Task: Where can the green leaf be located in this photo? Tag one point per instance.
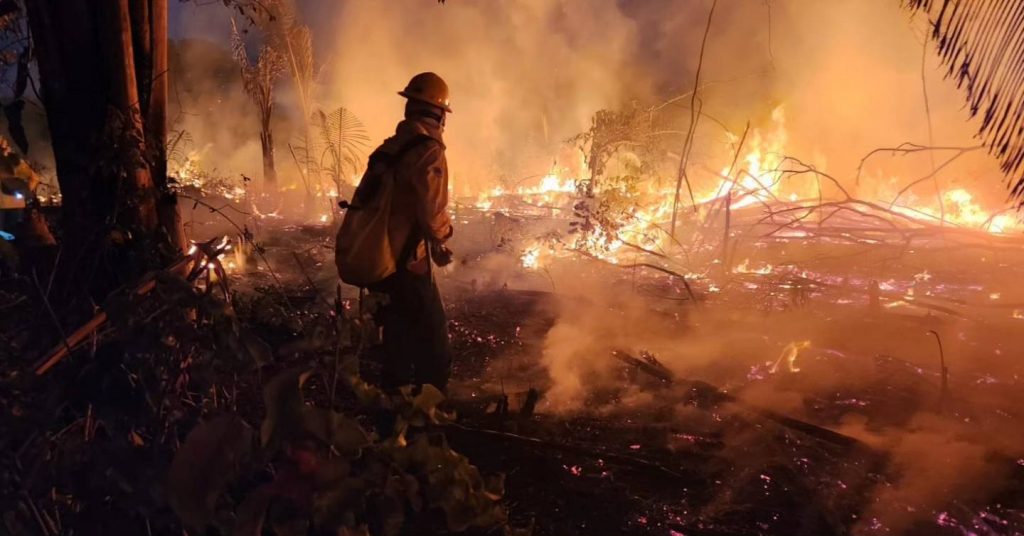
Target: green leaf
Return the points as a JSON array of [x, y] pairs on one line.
[[204, 465], [426, 403], [428, 399], [368, 395], [454, 485], [282, 397], [335, 429], [494, 486]]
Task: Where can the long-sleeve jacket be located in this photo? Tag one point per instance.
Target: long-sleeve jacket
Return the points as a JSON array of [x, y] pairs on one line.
[[420, 205]]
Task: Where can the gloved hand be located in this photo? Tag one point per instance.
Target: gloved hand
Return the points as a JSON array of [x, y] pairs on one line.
[[441, 254]]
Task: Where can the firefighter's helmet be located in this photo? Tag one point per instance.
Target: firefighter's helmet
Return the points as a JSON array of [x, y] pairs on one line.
[[428, 88]]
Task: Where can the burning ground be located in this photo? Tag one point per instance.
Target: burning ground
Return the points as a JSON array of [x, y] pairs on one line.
[[840, 324], [837, 366], [787, 364]]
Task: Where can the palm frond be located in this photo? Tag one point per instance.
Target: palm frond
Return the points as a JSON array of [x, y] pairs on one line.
[[258, 80], [981, 43], [238, 46], [294, 40], [343, 140]]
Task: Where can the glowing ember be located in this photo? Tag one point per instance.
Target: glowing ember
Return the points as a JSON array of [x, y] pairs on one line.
[[745, 268], [531, 257]]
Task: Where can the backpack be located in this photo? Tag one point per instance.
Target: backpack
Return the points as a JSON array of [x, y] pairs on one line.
[[363, 250]]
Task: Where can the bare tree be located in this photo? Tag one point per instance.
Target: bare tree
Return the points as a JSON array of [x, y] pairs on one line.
[[258, 80]]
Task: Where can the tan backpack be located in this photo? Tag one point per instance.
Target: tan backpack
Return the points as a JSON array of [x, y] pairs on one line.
[[363, 251]]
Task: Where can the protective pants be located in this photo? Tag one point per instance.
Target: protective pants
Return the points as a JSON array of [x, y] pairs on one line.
[[416, 349]]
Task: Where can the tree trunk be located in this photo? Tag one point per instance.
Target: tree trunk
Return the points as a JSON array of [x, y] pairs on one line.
[[269, 171], [156, 127], [136, 196], [90, 72]]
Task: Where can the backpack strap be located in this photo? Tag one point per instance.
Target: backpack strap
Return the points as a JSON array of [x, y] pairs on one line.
[[367, 191], [415, 142]]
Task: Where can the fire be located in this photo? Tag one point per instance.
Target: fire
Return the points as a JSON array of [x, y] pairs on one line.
[[551, 189], [642, 210], [761, 178], [789, 355], [530, 258], [961, 209], [744, 267], [189, 172], [233, 255]]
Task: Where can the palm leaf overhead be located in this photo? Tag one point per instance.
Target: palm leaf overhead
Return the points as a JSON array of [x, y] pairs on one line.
[[982, 44]]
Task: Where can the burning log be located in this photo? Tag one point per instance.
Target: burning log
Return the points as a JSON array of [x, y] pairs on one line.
[[711, 395]]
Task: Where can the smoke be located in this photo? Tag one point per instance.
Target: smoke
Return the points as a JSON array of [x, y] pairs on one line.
[[209, 108], [940, 453], [851, 76], [525, 77], [932, 460]]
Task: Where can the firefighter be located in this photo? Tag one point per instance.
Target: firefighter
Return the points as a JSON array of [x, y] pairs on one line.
[[415, 332]]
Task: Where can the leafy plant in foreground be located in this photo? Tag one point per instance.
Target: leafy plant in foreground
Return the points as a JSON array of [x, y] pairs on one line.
[[317, 471]]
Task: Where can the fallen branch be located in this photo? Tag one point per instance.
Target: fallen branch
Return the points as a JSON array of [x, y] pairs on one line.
[[247, 236], [650, 368], [907, 148], [655, 267], [712, 394], [148, 283], [574, 449]]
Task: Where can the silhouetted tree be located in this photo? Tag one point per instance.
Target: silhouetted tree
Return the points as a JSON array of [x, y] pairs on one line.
[[103, 77]]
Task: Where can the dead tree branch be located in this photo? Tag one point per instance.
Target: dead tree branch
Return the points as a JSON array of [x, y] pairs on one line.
[[688, 142]]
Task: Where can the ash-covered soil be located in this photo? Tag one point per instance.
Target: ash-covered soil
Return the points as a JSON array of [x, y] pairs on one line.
[[689, 418]]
